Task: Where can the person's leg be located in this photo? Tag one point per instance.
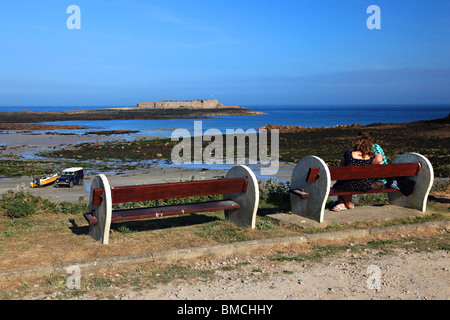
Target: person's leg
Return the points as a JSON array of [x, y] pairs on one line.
[[348, 201], [340, 205]]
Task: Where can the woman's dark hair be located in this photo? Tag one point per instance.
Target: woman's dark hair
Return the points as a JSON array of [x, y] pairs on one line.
[[367, 134], [363, 143]]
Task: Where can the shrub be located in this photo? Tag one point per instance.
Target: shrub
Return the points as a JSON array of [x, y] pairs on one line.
[[124, 230], [276, 194], [265, 225], [20, 208]]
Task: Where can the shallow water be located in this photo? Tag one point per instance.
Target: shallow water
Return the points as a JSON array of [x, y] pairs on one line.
[[305, 116]]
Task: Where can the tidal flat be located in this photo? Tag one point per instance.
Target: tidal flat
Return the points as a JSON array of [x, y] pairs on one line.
[[430, 138]]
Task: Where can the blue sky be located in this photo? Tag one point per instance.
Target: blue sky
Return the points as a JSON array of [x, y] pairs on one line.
[[242, 52]]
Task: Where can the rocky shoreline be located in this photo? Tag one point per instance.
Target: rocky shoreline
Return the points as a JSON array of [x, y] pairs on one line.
[[127, 113], [291, 129], [15, 126]]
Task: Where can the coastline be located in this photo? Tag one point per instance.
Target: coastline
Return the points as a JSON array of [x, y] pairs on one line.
[[15, 126], [125, 113]]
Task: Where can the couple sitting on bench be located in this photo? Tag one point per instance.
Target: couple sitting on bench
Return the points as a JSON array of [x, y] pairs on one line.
[[409, 176], [365, 152]]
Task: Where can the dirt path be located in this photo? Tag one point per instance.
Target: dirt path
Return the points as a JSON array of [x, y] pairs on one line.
[[405, 275]]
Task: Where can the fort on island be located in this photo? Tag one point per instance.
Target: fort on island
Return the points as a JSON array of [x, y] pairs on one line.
[[188, 104]]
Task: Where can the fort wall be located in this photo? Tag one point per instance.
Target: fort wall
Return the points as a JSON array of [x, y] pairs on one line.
[[188, 104]]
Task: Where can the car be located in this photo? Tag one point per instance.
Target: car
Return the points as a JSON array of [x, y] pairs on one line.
[[70, 177]]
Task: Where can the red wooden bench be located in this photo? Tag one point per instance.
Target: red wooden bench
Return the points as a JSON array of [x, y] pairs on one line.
[[371, 172], [311, 182], [239, 189]]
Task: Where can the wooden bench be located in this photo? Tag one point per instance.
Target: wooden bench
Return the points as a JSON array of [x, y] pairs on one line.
[[311, 183], [239, 189]]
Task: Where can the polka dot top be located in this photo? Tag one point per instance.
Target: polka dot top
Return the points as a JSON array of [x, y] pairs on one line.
[[354, 185]]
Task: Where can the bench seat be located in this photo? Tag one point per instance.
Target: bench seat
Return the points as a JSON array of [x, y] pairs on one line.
[[336, 192], [164, 211]]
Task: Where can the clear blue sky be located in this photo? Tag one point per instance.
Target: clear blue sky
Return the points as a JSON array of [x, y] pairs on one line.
[[244, 52]]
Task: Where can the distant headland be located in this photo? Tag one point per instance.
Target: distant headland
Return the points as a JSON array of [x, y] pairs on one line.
[[156, 110]]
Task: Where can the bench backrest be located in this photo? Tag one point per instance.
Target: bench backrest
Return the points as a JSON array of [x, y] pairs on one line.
[[173, 190], [368, 172]]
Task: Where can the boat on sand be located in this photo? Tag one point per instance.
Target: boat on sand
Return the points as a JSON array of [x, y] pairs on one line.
[[44, 180]]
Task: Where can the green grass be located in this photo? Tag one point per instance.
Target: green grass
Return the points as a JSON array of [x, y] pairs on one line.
[[223, 232], [23, 200]]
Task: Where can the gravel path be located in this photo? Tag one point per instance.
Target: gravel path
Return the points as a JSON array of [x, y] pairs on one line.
[[405, 276], [400, 275]]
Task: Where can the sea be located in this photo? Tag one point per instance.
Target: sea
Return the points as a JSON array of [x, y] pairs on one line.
[[289, 115]]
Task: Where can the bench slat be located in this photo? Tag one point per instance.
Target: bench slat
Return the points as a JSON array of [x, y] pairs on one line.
[[369, 171], [154, 212], [173, 190], [335, 192], [313, 173], [299, 193], [374, 171], [90, 218]]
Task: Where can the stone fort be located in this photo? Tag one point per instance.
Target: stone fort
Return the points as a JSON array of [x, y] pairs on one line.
[[192, 104]]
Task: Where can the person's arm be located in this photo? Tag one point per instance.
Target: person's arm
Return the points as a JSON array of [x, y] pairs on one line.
[[379, 154], [377, 159], [343, 160]]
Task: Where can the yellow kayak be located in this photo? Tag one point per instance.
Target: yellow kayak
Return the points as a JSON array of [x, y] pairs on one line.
[[43, 180]]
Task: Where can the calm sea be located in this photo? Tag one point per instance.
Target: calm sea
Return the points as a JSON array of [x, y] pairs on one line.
[[305, 116]]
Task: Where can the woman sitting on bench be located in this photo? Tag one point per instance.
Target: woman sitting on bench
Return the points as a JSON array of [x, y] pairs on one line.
[[361, 155]]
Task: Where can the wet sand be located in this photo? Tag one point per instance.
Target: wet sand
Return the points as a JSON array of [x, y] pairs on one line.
[[28, 144]]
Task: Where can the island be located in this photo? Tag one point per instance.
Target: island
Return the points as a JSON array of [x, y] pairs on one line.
[[157, 110]]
